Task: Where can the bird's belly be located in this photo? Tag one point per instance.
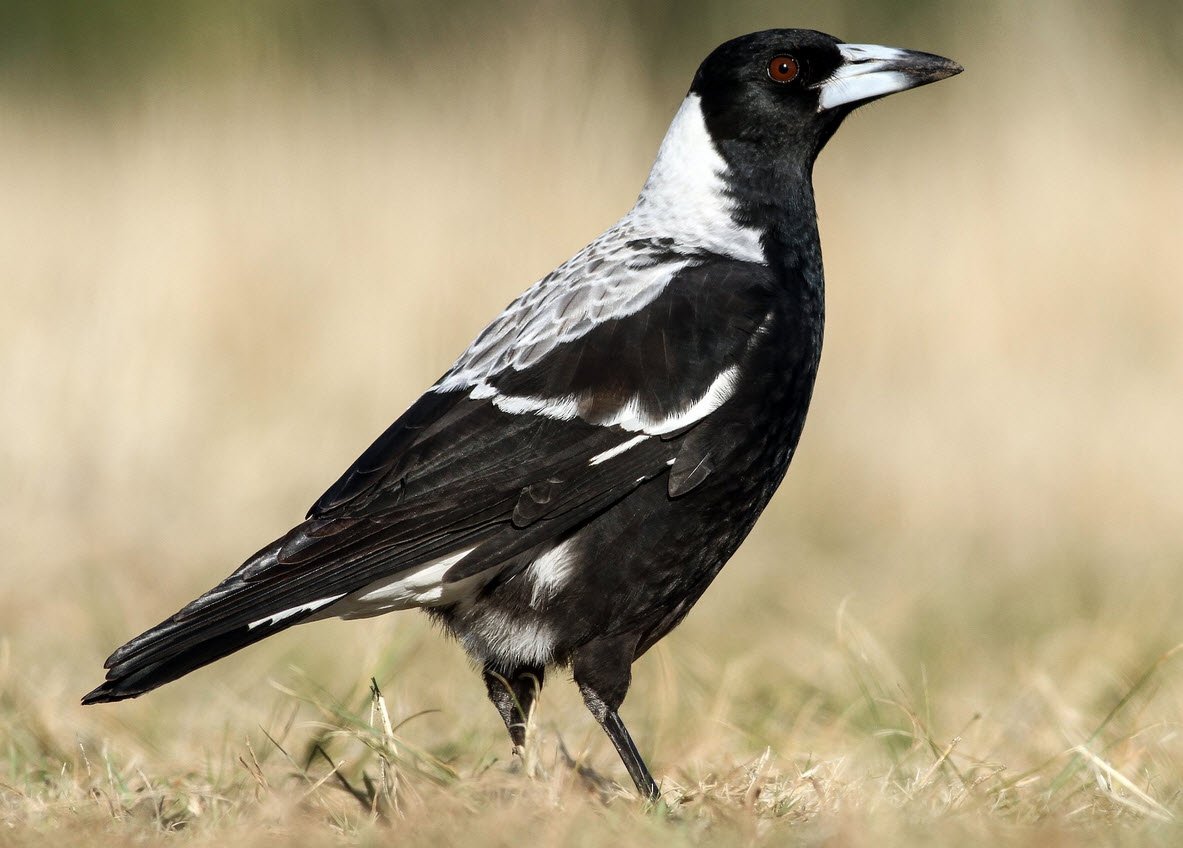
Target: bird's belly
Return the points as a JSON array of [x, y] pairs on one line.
[[509, 638], [638, 568]]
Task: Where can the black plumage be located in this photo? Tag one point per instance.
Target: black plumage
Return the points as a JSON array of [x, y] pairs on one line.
[[570, 487]]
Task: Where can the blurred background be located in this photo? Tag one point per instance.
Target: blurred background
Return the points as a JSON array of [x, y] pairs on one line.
[[238, 239]]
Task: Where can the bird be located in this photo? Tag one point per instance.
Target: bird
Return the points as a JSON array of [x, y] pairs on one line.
[[567, 490]]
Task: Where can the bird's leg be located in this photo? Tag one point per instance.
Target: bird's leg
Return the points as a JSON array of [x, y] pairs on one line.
[[602, 671], [513, 695]]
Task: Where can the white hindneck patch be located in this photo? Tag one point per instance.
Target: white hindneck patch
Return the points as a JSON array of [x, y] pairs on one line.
[[686, 197]]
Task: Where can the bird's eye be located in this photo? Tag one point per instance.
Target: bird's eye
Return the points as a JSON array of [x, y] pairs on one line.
[[783, 69]]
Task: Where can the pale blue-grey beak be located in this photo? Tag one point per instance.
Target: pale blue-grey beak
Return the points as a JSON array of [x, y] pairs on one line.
[[869, 71]]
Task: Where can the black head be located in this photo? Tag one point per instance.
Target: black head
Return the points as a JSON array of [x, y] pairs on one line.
[[783, 92]]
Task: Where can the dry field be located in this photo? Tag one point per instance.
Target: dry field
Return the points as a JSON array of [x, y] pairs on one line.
[[955, 623]]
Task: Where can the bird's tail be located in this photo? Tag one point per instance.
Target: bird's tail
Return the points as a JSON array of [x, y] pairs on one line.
[[132, 672], [298, 577], [236, 613]]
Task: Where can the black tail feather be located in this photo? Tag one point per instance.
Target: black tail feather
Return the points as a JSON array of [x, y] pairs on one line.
[[141, 672]]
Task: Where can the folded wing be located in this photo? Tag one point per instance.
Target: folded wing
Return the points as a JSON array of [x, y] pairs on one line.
[[478, 472]]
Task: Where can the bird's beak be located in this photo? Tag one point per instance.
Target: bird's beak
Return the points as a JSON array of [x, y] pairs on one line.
[[869, 71]]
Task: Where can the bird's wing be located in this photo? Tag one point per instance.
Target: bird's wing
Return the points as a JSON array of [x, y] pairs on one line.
[[523, 455], [499, 466]]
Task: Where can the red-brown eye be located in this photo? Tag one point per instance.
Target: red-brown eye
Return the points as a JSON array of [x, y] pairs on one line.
[[783, 69]]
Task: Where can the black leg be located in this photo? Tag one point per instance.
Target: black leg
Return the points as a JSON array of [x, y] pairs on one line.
[[513, 695], [602, 672]]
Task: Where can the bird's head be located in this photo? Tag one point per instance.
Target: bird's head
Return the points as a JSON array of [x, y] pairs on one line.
[[783, 92]]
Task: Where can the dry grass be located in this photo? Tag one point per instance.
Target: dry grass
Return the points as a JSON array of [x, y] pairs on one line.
[[952, 625]]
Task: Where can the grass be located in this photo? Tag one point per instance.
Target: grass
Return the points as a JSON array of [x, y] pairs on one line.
[[956, 622], [322, 769]]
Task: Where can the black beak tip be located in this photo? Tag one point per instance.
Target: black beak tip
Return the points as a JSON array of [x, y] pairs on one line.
[[952, 68], [940, 68]]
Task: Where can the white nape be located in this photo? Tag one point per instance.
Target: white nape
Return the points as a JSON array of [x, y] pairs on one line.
[[686, 195]]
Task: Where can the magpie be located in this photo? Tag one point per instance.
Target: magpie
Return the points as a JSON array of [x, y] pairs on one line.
[[569, 488]]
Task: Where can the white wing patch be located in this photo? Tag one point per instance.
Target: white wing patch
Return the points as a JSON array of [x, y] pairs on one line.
[[288, 613], [560, 409], [632, 419], [629, 417], [617, 451], [683, 213], [423, 587]]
